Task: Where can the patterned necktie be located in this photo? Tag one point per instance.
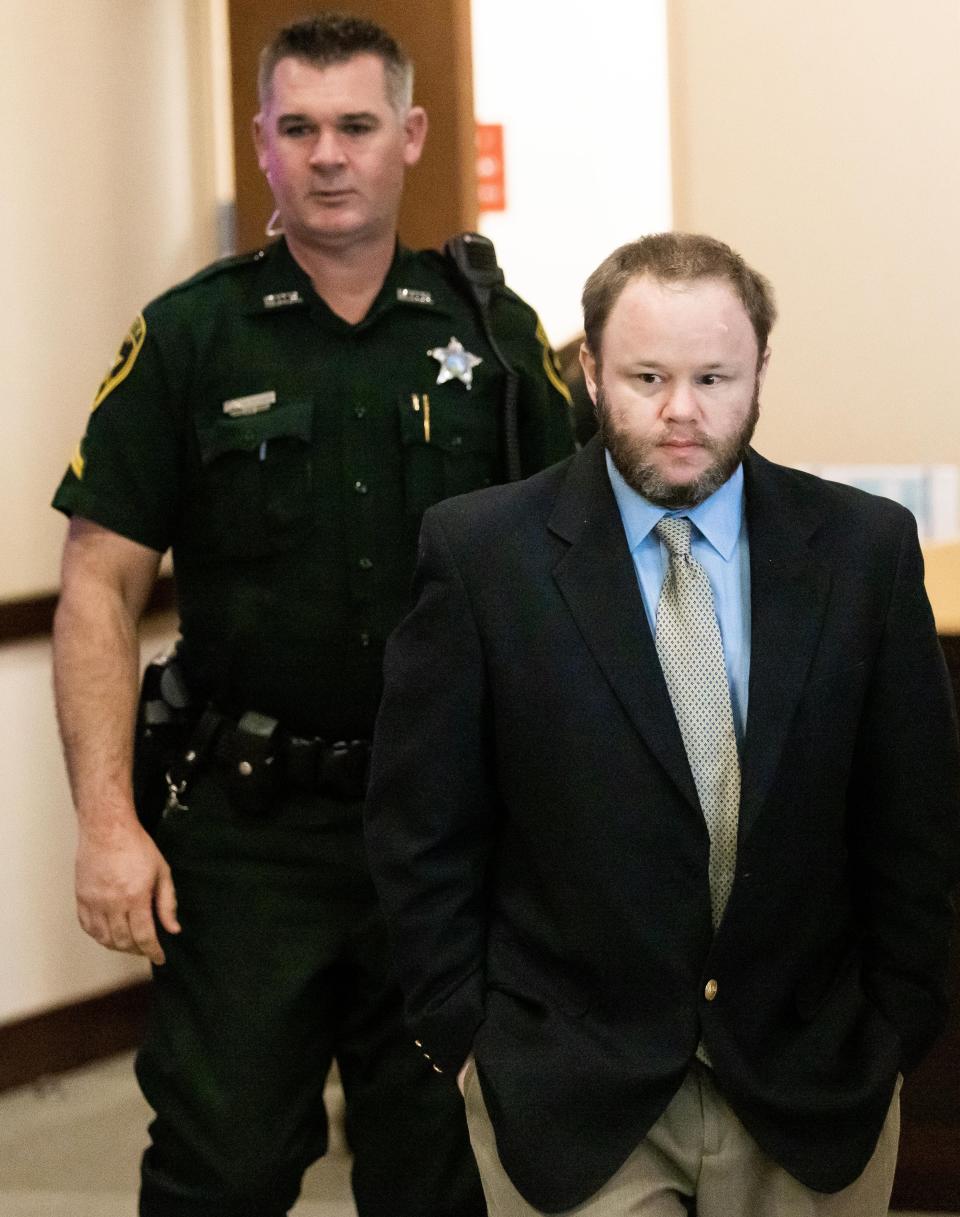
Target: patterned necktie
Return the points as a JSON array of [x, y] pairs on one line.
[[691, 655]]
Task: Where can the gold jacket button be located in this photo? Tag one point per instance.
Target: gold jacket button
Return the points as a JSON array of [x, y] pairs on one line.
[[710, 990]]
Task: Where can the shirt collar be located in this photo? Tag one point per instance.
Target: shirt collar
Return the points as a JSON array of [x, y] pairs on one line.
[[718, 518], [282, 285]]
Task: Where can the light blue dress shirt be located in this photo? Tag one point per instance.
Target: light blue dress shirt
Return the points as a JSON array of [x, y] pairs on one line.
[[719, 543]]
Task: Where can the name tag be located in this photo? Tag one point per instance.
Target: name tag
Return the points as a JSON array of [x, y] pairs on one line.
[[282, 299], [255, 403], [413, 295]]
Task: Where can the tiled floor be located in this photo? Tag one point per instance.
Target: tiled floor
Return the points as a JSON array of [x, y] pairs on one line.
[[71, 1146]]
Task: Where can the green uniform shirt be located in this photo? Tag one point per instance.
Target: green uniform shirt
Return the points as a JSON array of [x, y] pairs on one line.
[[287, 457]]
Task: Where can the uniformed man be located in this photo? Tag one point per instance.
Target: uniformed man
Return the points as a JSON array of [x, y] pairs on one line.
[[281, 421]]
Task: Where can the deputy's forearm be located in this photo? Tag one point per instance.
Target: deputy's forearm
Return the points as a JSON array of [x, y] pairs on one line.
[[96, 663], [96, 671]]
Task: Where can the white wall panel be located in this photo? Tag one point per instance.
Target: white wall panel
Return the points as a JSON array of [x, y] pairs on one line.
[[581, 90]]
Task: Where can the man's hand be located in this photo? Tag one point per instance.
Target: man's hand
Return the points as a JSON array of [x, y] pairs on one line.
[[122, 881], [462, 1075]]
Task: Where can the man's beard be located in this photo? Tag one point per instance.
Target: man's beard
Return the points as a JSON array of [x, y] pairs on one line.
[[632, 458]]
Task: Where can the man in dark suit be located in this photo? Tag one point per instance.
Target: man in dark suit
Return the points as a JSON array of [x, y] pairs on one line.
[[666, 792]]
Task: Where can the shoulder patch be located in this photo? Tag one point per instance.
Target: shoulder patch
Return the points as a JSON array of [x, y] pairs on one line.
[[551, 364], [78, 461], [126, 357]]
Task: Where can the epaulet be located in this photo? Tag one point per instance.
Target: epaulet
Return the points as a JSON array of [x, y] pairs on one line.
[[432, 257], [222, 266]]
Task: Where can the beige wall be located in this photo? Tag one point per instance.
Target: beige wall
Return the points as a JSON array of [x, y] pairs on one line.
[[108, 198], [47, 959], [815, 136], [822, 139]]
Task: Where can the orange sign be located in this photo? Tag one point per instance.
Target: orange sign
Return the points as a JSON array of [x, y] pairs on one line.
[[491, 188]]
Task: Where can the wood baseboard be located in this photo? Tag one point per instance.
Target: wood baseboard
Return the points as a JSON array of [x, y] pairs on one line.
[[928, 1169], [928, 1166], [32, 616], [73, 1035]]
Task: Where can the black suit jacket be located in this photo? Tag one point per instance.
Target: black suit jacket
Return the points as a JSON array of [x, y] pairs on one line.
[[541, 856]]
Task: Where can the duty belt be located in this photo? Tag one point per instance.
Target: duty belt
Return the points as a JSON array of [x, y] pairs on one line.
[[259, 760]]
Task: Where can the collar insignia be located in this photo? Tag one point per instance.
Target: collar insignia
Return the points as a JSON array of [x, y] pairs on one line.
[[282, 299], [413, 295], [456, 363]]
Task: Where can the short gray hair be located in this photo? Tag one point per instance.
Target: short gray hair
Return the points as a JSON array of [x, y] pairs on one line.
[[331, 38]]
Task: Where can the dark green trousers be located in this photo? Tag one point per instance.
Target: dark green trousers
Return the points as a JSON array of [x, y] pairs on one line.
[[281, 967]]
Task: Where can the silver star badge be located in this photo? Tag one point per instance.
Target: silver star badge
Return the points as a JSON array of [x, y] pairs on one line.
[[456, 363]]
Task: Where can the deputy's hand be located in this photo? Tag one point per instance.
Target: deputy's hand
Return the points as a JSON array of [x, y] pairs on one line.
[[462, 1075], [122, 879]]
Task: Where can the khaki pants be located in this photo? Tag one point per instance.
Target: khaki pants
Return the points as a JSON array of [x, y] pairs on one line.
[[698, 1149]]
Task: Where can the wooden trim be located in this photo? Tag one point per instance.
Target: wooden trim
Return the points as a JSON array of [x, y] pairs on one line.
[[928, 1166], [928, 1169], [951, 651], [73, 1035], [32, 617], [27, 618]]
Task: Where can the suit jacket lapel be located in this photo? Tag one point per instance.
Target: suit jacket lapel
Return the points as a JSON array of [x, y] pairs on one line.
[[788, 594], [597, 579]]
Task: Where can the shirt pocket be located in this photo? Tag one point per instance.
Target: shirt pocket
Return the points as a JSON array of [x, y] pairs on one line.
[[450, 445], [255, 494]]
